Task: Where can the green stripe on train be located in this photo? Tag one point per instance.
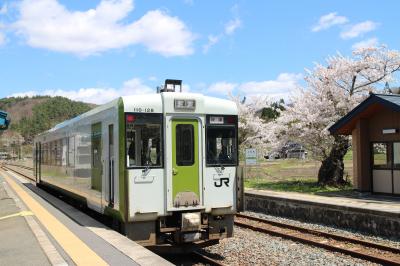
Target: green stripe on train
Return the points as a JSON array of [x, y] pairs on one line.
[[123, 193]]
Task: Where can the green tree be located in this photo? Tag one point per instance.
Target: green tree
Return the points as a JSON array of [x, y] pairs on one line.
[[48, 114], [273, 111]]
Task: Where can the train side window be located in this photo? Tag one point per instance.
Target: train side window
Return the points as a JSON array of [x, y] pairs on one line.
[[64, 151], [71, 151], [143, 140], [184, 145]]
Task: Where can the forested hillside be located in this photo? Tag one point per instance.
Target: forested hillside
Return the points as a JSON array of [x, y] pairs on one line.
[[31, 116], [19, 107]]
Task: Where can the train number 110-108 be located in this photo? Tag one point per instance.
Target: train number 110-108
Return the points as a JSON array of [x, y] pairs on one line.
[[143, 110]]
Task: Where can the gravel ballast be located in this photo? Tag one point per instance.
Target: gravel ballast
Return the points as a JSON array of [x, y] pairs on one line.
[[380, 240], [254, 248]]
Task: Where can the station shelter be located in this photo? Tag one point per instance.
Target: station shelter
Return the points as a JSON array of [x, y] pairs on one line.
[[375, 129]]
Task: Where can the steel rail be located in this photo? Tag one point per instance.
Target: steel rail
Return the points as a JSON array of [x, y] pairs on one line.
[[20, 166], [206, 259], [322, 239], [18, 172], [201, 257]]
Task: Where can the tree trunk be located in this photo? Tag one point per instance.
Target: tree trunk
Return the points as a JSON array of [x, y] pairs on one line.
[[332, 168]]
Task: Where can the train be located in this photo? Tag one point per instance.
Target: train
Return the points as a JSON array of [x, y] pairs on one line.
[[162, 166], [4, 120]]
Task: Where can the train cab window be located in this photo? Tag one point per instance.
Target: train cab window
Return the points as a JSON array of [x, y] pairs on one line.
[[144, 140], [221, 146]]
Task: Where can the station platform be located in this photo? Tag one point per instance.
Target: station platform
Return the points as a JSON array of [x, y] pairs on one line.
[[36, 228], [375, 214]]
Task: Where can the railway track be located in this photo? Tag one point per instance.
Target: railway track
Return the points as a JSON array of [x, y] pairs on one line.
[[206, 259], [5, 167], [21, 166], [195, 255], [350, 246]]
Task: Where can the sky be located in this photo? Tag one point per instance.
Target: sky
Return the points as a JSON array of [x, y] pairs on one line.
[[95, 51]]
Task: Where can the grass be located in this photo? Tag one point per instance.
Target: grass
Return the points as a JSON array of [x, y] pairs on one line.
[[299, 185], [348, 156], [294, 175]]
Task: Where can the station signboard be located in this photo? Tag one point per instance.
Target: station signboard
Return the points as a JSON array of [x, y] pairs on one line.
[[251, 156]]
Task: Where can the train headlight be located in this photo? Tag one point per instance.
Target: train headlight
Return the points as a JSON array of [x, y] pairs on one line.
[[191, 221]]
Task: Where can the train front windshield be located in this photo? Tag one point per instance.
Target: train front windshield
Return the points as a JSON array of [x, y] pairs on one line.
[[144, 140], [221, 146]]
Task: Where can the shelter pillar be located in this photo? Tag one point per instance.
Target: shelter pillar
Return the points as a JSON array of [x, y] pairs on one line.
[[361, 156]]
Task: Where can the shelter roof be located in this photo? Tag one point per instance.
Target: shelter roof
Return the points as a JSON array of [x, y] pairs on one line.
[[374, 103]]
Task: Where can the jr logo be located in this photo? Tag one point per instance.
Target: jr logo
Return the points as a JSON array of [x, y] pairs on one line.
[[223, 180]]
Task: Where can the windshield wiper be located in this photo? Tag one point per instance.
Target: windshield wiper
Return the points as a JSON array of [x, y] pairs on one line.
[[220, 164], [145, 170]]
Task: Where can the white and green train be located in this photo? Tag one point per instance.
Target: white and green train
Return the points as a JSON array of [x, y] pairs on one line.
[[163, 166]]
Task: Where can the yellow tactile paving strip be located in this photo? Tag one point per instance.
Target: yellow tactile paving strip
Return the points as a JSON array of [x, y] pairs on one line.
[[78, 251]]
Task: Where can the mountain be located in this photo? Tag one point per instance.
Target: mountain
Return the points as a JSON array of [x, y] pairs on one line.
[[18, 107], [33, 115]]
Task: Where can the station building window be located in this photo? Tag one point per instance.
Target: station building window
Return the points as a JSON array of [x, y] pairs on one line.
[[381, 155], [386, 155], [143, 140], [396, 155]]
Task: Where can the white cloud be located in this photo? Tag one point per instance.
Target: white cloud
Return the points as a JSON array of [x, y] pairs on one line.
[[359, 29], [373, 42], [281, 87], [2, 35], [135, 86], [4, 9], [2, 39], [229, 29], [329, 20], [90, 95], [278, 88], [232, 26], [48, 24], [189, 2], [212, 40], [94, 95], [23, 94], [222, 87]]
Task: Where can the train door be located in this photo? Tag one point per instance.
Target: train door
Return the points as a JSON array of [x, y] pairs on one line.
[[185, 163], [97, 166], [111, 171]]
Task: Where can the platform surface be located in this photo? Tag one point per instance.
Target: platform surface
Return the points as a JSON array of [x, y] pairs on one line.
[[37, 228], [18, 243], [369, 202]]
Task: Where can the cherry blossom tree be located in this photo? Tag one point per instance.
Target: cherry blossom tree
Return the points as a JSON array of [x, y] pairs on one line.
[[252, 128], [332, 91]]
